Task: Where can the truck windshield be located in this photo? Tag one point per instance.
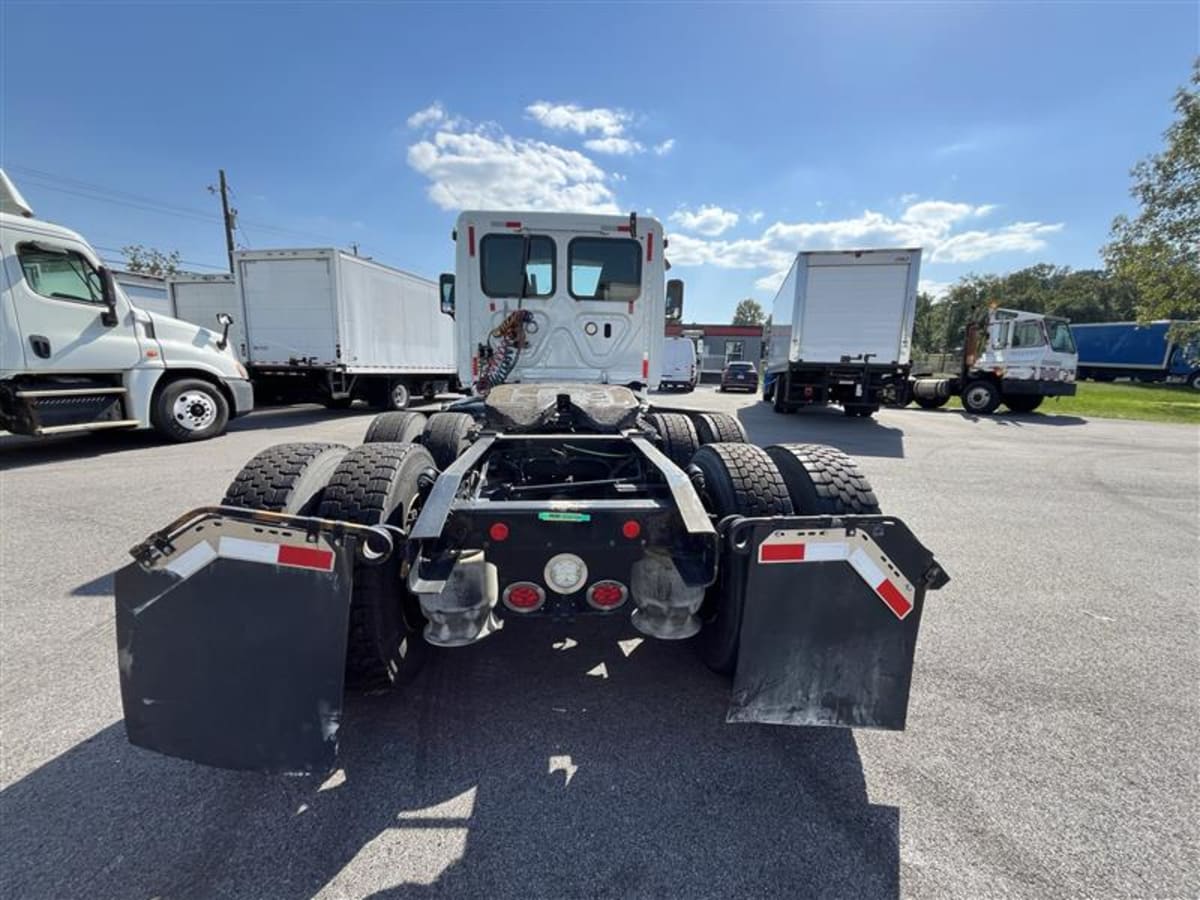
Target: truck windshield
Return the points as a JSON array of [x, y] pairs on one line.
[[605, 268], [500, 258], [1061, 340]]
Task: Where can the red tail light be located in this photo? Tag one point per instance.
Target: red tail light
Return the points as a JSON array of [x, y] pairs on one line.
[[523, 596], [607, 594], [498, 532], [631, 529]]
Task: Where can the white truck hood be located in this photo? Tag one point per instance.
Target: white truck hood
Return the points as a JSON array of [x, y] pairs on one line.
[[184, 344]]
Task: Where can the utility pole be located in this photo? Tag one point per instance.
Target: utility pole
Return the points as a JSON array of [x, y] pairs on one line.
[[230, 215], [354, 247]]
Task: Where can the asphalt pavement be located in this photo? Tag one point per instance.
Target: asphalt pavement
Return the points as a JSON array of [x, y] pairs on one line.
[[1052, 736]]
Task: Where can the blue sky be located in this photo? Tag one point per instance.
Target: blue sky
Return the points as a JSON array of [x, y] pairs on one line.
[[994, 136]]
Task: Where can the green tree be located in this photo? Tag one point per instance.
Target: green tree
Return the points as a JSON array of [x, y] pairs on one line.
[[1157, 251], [749, 312], [150, 261]]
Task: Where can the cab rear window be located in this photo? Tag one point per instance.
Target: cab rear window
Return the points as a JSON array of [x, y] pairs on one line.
[[605, 268], [500, 262]]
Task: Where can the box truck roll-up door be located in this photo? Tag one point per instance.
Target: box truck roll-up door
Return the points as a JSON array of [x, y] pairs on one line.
[[290, 314], [854, 309]]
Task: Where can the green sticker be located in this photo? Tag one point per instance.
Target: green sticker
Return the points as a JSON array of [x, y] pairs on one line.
[[564, 517]]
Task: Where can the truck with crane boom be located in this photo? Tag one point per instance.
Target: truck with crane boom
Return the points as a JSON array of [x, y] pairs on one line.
[[556, 489]]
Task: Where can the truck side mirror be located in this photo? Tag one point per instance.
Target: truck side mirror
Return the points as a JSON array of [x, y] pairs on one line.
[[108, 293], [674, 311], [224, 319], [446, 287]]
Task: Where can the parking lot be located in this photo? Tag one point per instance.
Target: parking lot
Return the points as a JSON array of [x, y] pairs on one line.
[[1050, 749]]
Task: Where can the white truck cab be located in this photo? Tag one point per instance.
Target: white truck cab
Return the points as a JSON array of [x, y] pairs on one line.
[[559, 297], [77, 355]]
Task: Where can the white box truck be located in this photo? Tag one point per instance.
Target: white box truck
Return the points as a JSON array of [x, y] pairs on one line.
[[329, 326], [76, 355], [841, 330], [202, 298]]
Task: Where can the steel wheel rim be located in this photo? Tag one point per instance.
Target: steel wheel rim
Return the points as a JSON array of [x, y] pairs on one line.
[[399, 396], [194, 410], [977, 397]]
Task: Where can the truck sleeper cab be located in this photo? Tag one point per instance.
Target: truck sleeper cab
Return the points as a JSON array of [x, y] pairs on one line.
[[541, 495]]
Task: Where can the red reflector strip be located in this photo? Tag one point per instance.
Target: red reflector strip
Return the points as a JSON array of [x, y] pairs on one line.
[[645, 364], [649, 246], [512, 224], [305, 557], [774, 553], [896, 601], [623, 228], [471, 240]]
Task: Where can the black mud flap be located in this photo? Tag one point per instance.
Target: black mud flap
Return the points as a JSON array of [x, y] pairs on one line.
[[231, 641], [830, 612]]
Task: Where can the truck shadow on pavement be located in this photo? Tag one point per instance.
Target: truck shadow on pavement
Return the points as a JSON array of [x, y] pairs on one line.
[[822, 425], [528, 765], [1006, 417]]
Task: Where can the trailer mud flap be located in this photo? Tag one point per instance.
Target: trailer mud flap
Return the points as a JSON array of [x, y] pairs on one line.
[[231, 642], [830, 612]]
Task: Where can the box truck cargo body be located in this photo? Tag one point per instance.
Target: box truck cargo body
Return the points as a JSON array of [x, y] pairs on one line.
[[201, 298], [1110, 350], [841, 329], [326, 325]]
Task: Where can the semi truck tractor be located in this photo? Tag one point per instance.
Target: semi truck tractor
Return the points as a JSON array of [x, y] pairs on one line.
[[555, 490], [1009, 356], [76, 355], [1111, 350], [841, 330]]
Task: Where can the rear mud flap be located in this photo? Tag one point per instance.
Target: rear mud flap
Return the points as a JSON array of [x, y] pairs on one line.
[[830, 617], [231, 641]]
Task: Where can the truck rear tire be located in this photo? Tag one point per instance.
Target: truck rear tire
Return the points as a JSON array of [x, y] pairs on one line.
[[719, 428], [189, 409], [823, 481], [395, 427], [285, 478], [1023, 403], [380, 484], [980, 397], [739, 479], [1194, 381], [446, 436], [678, 436]]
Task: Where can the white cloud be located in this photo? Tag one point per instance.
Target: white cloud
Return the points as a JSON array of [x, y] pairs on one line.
[[908, 199], [770, 283], [665, 147], [755, 217], [569, 117], [617, 146], [430, 115], [707, 220], [935, 289], [929, 224], [487, 168]]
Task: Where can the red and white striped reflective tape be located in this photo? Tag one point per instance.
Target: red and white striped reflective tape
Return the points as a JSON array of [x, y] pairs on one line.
[[860, 551], [296, 556]]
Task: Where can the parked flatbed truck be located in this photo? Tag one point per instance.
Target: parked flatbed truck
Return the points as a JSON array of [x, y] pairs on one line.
[[555, 490]]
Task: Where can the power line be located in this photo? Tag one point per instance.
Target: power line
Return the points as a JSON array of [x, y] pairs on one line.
[[90, 191]]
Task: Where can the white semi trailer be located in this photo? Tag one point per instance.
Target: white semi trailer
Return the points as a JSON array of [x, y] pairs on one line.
[[329, 326], [841, 330]]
